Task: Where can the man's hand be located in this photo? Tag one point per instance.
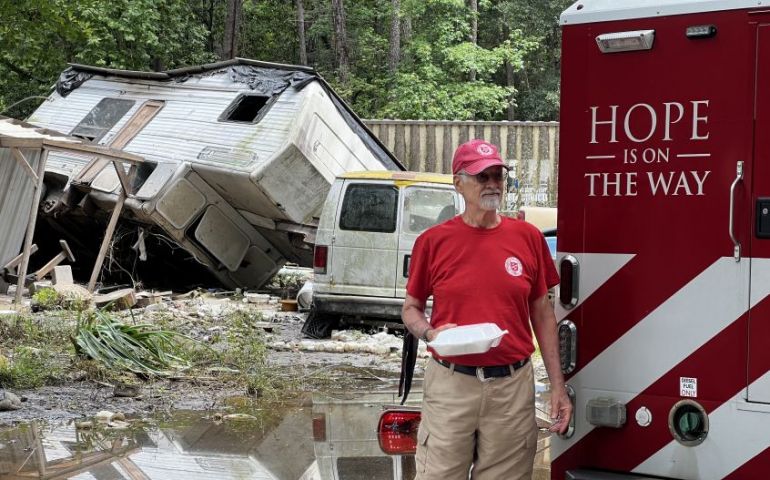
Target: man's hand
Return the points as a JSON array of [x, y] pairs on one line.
[[561, 410], [433, 332]]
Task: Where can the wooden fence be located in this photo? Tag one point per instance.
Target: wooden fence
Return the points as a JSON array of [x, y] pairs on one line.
[[530, 148]]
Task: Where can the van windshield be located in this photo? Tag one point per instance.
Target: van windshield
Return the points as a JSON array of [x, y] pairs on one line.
[[425, 207]]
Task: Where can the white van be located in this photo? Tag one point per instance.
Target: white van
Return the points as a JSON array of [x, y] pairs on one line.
[[364, 241]]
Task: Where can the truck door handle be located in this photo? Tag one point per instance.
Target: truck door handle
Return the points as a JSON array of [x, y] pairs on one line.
[[736, 243], [405, 272]]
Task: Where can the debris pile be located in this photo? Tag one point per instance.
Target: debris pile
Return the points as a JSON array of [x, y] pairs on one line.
[[350, 341]]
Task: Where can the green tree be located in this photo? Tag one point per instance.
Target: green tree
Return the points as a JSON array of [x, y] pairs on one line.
[[41, 36], [432, 82]]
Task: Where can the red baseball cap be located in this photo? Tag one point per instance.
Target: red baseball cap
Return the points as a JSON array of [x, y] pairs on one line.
[[476, 155]]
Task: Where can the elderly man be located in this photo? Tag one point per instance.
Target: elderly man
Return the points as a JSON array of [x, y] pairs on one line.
[[478, 410]]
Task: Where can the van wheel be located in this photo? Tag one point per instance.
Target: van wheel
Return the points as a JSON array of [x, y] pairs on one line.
[[320, 325]]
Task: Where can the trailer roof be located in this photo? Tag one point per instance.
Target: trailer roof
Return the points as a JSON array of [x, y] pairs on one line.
[[591, 11]]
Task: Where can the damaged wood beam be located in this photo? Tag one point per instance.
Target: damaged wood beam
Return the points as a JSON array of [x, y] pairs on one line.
[[31, 226], [106, 241], [124, 183], [23, 163]]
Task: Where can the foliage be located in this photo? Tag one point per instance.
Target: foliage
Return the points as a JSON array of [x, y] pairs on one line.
[[46, 298], [41, 36], [30, 368], [441, 74], [142, 349]]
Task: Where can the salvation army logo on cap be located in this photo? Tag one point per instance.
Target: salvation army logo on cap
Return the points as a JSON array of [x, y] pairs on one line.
[[485, 149], [513, 266]]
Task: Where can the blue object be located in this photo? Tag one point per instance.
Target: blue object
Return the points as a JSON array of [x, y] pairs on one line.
[[551, 241]]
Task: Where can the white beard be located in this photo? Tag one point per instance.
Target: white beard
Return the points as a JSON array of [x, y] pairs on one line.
[[490, 202]]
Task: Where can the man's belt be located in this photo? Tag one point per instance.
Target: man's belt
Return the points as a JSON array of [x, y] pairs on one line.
[[485, 373]]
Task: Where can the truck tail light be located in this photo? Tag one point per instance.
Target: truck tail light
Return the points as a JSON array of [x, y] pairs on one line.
[[568, 288], [567, 346], [320, 255], [397, 431], [319, 427]]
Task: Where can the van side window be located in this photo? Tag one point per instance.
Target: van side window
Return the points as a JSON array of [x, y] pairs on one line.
[[370, 208], [425, 207]]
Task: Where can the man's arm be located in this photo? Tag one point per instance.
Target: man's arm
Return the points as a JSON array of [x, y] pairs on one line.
[[413, 316], [544, 326]]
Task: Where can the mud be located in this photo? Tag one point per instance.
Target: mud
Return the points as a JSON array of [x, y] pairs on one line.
[[351, 360]]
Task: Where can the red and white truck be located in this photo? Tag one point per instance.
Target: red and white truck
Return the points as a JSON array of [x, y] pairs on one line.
[[664, 239]]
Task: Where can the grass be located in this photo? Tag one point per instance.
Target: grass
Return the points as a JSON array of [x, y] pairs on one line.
[[41, 349], [30, 368]]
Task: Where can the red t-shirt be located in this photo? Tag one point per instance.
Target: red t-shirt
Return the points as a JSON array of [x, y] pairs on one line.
[[479, 275]]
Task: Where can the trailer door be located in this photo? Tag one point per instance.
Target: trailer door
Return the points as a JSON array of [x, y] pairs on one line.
[[759, 315]]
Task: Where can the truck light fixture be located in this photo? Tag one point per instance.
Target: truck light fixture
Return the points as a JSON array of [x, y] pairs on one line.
[[567, 346], [571, 427], [319, 427], [606, 412], [397, 431], [320, 257], [568, 288], [701, 31], [626, 41]]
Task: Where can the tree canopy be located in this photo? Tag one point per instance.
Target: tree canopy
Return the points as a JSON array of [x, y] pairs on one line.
[[405, 59]]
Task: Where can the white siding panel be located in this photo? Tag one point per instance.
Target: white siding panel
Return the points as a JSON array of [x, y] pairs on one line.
[[16, 193], [187, 123]]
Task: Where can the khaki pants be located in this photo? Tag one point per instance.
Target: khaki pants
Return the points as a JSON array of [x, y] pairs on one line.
[[490, 425]]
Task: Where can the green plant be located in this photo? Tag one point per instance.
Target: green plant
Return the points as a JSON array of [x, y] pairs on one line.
[[29, 368], [47, 299], [141, 348]]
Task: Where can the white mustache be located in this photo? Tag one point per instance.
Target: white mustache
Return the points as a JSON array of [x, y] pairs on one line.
[[492, 192]]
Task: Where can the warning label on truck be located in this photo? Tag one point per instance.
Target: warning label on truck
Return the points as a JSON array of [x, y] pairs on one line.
[[688, 387]]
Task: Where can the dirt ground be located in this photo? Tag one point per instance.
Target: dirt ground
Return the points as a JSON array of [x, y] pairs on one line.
[[350, 360]]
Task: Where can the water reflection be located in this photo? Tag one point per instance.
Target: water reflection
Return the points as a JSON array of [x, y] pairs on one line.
[[346, 444], [276, 445], [336, 439]]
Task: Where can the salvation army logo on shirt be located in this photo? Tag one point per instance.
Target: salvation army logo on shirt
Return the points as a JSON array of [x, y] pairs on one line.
[[484, 149], [513, 266]]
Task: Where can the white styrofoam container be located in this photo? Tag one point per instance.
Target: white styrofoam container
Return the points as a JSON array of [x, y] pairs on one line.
[[468, 339]]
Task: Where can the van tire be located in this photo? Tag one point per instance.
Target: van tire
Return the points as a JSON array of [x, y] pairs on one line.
[[320, 325]]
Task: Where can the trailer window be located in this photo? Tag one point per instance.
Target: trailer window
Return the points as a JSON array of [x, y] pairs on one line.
[[100, 120], [369, 208], [246, 108]]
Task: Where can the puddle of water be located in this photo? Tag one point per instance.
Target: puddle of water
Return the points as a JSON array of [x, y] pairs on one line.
[[273, 443], [335, 439]]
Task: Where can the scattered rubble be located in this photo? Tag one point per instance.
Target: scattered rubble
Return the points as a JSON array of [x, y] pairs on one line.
[[9, 401]]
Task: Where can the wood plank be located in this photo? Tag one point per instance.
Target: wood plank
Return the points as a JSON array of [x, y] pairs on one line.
[[106, 241], [136, 123], [122, 177], [24, 163], [133, 471], [32, 219]]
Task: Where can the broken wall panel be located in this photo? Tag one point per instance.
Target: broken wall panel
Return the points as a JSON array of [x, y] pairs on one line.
[[16, 193]]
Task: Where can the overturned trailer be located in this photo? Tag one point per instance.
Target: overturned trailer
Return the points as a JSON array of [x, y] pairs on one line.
[[238, 158]]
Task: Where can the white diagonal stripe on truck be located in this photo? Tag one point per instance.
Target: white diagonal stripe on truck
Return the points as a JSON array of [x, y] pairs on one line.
[[716, 297], [601, 265], [736, 435]]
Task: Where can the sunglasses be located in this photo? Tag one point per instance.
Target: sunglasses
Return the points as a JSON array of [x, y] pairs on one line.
[[484, 177]]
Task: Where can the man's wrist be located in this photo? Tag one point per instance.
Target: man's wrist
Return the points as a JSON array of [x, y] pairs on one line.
[[424, 336]]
